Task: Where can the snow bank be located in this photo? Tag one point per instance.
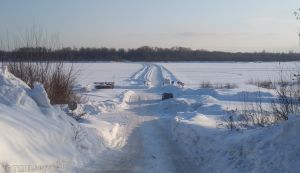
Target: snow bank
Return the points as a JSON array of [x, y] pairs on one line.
[[35, 133], [39, 95], [127, 98], [271, 149], [197, 128], [121, 102], [110, 132]]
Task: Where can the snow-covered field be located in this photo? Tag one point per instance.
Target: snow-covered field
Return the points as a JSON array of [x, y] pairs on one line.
[[129, 128], [119, 73], [193, 74]]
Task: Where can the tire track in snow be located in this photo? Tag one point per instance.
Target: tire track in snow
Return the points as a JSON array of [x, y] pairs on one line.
[[154, 76], [140, 73], [150, 147], [168, 74]]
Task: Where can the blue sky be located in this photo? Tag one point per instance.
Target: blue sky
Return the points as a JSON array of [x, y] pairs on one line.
[[228, 25]]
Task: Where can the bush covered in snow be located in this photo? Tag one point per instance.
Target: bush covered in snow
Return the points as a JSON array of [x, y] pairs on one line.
[[57, 78]]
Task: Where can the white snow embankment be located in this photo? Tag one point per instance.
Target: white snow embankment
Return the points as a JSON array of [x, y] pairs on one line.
[[110, 132], [126, 98], [103, 118], [269, 149], [196, 128], [35, 133], [119, 103]]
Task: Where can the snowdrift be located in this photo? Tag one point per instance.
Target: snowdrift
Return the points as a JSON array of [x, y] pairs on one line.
[[35, 133], [196, 127], [270, 149]]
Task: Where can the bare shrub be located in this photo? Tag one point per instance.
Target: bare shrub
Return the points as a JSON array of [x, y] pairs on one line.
[[268, 84], [61, 83], [29, 48], [57, 78], [257, 113], [207, 84], [5, 167], [288, 101], [288, 96], [287, 89], [251, 114], [251, 118], [252, 82], [225, 86], [230, 120]]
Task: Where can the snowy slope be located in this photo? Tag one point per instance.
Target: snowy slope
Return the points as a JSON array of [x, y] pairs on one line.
[[35, 133], [271, 149], [197, 126]]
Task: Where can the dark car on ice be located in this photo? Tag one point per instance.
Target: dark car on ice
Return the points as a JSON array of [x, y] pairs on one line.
[[167, 96]]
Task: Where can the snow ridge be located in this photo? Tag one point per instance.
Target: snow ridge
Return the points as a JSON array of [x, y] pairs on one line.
[[35, 133]]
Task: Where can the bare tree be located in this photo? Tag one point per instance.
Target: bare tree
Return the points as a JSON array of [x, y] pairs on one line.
[[297, 14], [58, 78]]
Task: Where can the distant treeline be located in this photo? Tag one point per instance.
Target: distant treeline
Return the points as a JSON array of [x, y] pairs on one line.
[[139, 54]]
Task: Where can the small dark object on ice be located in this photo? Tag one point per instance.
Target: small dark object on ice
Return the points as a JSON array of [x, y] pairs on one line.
[[77, 117], [181, 84], [104, 85], [167, 96], [72, 105]]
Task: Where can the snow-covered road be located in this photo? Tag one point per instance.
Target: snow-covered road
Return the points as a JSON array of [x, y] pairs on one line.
[[150, 146], [184, 134]]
